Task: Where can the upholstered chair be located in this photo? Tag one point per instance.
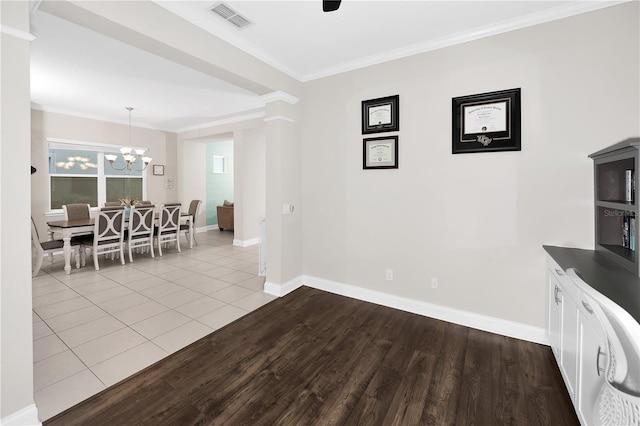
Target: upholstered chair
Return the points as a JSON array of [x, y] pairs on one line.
[[189, 225]]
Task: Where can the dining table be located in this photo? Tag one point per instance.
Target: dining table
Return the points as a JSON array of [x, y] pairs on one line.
[[69, 229], [72, 228]]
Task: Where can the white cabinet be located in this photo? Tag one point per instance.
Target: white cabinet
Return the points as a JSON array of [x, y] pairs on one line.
[[593, 361], [563, 325], [555, 317], [597, 349]]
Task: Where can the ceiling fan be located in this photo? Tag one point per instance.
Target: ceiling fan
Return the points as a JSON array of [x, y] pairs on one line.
[[330, 5]]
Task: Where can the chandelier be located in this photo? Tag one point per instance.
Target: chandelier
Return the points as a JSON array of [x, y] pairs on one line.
[[128, 153]]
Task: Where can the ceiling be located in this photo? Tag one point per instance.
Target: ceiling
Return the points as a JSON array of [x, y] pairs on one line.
[[80, 72]]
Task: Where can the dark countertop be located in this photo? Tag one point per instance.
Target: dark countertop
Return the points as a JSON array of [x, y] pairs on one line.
[[603, 275]]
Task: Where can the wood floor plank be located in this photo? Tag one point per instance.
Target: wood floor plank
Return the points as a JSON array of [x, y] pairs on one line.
[[478, 382], [408, 405], [374, 404], [335, 363], [444, 388], [304, 348], [314, 358]]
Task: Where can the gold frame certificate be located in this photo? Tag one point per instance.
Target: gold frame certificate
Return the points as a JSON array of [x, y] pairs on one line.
[[380, 153]]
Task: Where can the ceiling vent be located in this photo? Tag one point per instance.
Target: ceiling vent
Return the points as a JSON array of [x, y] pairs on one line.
[[231, 16]]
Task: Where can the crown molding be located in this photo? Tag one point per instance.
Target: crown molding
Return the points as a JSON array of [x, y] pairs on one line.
[[5, 29], [279, 117], [559, 12], [279, 95], [97, 117], [242, 116]]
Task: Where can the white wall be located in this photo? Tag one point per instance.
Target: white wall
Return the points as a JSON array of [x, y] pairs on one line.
[[195, 182], [219, 185], [162, 148], [249, 169], [475, 221], [250, 182]]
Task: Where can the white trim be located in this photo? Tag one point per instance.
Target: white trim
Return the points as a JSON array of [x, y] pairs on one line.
[[243, 116], [98, 117], [560, 12], [35, 4], [456, 316], [233, 38], [227, 119], [59, 143], [16, 33], [27, 416], [283, 289], [279, 95], [246, 243], [205, 228], [279, 117]]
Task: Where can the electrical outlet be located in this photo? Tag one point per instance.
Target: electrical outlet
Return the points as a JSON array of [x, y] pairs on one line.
[[390, 274], [434, 282]]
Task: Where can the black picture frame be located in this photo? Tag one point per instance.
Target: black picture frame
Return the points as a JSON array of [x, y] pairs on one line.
[[380, 153], [486, 122], [381, 115]]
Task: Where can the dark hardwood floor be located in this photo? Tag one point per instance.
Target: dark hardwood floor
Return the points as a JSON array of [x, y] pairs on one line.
[[317, 358]]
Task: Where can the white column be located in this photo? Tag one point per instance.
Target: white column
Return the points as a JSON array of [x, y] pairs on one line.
[[16, 389], [283, 194]]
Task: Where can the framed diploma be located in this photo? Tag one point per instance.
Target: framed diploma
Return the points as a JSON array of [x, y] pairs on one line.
[[380, 115], [380, 153], [486, 122]]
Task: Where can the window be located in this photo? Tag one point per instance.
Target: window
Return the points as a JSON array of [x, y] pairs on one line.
[[220, 164], [79, 173]]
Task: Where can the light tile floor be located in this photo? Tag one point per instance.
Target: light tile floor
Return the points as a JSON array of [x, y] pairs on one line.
[[91, 329]]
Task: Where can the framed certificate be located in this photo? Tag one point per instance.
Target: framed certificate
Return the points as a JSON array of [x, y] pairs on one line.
[[158, 169], [380, 115], [486, 122], [380, 153]]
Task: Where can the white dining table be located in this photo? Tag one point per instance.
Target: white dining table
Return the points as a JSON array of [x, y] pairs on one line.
[[72, 228], [68, 229]]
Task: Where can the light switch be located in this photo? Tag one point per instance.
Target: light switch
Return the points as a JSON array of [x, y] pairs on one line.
[[286, 209]]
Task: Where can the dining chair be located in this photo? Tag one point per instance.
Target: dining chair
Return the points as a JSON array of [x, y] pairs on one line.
[[144, 202], [168, 229], [112, 203], [140, 230], [189, 225], [77, 211], [40, 248], [108, 234]]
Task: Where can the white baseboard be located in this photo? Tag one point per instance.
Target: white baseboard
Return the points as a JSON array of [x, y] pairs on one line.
[[246, 243], [444, 313], [283, 289], [205, 228], [28, 416]]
